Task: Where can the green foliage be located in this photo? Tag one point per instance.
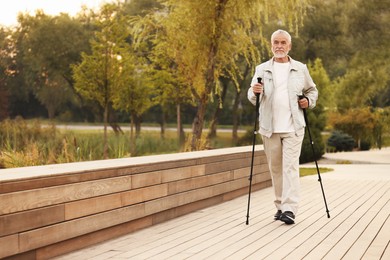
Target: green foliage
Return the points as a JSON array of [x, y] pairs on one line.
[[312, 171], [19, 146], [47, 46], [318, 144], [317, 117], [341, 141], [382, 126], [177, 52], [358, 123], [30, 144], [358, 87], [204, 40], [109, 75]]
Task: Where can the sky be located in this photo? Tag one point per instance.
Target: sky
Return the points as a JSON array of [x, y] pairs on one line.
[[10, 8]]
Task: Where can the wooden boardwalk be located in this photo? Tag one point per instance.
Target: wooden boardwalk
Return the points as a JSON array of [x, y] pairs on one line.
[[358, 198]]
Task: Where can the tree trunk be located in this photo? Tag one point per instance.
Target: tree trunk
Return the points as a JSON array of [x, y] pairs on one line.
[[218, 109], [137, 122], [236, 116], [180, 130], [112, 120], [3, 101], [163, 124], [105, 139], [237, 107], [132, 149], [198, 122], [197, 125]]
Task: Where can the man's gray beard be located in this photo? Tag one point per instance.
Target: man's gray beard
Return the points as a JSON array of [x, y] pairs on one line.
[[280, 55]]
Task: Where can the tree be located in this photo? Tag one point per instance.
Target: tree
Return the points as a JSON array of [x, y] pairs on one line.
[[382, 125], [357, 122], [205, 38], [150, 42], [102, 71], [324, 36], [4, 57], [47, 47], [368, 76]]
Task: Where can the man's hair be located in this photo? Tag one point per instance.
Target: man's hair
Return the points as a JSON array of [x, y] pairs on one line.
[[283, 32]]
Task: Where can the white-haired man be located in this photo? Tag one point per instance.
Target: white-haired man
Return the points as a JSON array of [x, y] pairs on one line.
[[281, 119]]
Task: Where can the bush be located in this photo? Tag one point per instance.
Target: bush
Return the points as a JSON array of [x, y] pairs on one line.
[[365, 145], [307, 151], [341, 141], [247, 139]]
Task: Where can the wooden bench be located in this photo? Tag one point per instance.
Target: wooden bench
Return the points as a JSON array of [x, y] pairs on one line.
[[50, 210]]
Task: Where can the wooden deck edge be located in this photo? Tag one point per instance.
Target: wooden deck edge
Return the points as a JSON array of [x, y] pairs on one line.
[[97, 237]]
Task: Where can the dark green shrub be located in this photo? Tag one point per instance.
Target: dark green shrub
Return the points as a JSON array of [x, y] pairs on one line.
[[318, 145], [341, 141], [365, 145], [247, 139]]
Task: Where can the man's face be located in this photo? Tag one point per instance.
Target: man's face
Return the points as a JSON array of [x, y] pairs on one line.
[[280, 46]]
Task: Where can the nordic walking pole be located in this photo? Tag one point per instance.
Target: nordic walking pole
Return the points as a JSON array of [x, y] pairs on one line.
[[314, 157], [253, 150]]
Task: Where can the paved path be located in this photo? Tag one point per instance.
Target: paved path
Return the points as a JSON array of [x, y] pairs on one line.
[[373, 156], [127, 128]]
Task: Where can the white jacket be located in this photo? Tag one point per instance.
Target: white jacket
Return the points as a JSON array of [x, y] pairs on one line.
[[299, 83]]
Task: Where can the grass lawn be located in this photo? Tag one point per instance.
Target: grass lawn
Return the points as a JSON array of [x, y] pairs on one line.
[[310, 171]]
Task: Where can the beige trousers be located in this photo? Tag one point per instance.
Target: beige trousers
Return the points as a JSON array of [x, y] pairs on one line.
[[283, 151]]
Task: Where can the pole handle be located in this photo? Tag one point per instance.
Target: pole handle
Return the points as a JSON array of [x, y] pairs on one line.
[[259, 79]]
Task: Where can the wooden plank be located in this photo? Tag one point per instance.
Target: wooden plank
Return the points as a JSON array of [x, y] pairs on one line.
[[144, 194], [245, 172], [145, 179], [207, 215], [310, 221], [37, 181], [227, 165], [26, 220], [214, 248], [199, 182], [48, 235], [158, 166], [180, 199], [327, 235], [25, 200], [242, 153], [271, 240], [218, 221], [175, 232], [343, 236], [219, 232], [181, 173], [91, 206], [9, 245], [185, 209], [91, 239], [354, 243], [381, 241]]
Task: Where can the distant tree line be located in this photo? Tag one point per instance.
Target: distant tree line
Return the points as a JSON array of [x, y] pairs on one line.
[[190, 62]]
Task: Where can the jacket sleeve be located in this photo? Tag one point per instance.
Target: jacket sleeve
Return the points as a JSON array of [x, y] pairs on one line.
[[310, 90], [251, 96]]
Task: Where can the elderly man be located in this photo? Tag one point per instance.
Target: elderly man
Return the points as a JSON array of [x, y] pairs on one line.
[[281, 120]]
